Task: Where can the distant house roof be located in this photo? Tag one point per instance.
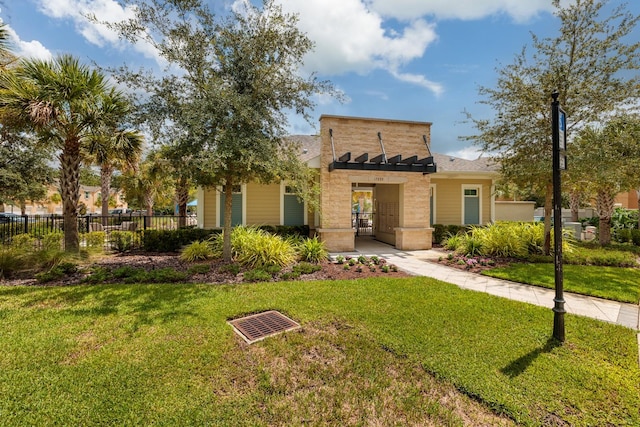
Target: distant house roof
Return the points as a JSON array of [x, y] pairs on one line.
[[310, 149], [447, 163]]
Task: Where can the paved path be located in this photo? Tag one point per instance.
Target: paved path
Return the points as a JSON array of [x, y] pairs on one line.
[[418, 263]]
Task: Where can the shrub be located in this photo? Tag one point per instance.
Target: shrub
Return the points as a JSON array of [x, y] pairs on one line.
[[22, 243], [98, 275], [56, 272], [173, 240], [362, 259], [254, 248], [197, 251], [623, 235], [95, 240], [199, 269], [471, 246], [635, 237], [340, 259], [452, 242], [53, 241], [256, 275], [306, 268], [123, 241], [232, 268], [439, 232], [11, 261], [312, 250]]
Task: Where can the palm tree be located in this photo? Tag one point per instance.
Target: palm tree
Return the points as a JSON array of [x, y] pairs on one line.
[[62, 101], [112, 147], [6, 55]]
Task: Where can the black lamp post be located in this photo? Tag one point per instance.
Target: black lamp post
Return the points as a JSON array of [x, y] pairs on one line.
[[559, 139]]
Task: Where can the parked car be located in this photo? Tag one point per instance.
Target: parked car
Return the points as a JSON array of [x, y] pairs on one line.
[[120, 211]]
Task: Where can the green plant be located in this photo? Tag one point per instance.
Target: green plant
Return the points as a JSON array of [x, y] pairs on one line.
[[95, 240], [256, 275], [123, 241], [438, 235], [52, 241], [306, 268], [346, 267], [197, 251], [374, 259], [385, 268], [56, 272], [232, 268], [23, 243], [199, 269], [11, 261], [98, 275], [340, 259], [312, 250], [362, 259], [353, 262], [254, 248], [290, 275], [452, 242]]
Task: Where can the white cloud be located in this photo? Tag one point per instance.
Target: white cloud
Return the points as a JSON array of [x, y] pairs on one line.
[[25, 49], [519, 10], [351, 38], [94, 33]]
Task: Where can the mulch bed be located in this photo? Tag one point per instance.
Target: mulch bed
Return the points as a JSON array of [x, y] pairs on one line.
[[216, 273]]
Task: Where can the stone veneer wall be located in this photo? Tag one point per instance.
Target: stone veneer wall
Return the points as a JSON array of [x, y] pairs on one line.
[[358, 136]]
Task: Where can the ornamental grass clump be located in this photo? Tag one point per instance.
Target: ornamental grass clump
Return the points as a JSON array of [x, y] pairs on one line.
[[197, 251], [312, 250], [253, 247]]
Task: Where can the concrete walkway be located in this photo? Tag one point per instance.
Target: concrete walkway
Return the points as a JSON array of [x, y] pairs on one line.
[[420, 263]]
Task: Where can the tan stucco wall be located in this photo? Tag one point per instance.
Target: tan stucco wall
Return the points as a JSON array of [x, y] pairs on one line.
[[263, 204], [358, 136], [448, 198], [514, 211]]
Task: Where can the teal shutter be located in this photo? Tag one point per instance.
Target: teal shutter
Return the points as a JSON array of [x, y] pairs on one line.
[[293, 210], [236, 210]]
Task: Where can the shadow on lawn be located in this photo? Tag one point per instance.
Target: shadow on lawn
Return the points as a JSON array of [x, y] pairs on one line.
[[519, 365], [147, 304]]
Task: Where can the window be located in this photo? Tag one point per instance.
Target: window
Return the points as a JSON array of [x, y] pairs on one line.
[[293, 209], [86, 195]]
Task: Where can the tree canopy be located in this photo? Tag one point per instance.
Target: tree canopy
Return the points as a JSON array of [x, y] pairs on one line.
[[592, 62], [225, 109]]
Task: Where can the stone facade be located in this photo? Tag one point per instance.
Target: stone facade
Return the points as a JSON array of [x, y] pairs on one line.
[[401, 199]]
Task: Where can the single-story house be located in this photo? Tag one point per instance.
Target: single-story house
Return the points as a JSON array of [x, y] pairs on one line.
[[377, 177]]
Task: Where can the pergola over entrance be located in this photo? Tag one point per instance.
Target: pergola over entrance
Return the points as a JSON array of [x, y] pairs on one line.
[[401, 182]]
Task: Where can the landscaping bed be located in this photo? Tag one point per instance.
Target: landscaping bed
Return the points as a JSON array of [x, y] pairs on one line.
[[162, 267]]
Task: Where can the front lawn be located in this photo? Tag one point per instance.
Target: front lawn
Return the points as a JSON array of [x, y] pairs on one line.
[[378, 351], [614, 283]]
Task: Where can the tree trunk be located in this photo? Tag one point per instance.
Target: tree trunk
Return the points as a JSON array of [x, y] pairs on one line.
[[548, 208], [105, 187], [604, 204], [70, 191], [149, 196], [182, 197], [574, 203], [226, 230]]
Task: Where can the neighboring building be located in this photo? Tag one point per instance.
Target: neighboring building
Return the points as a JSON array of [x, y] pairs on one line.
[[628, 200], [52, 203], [377, 177]]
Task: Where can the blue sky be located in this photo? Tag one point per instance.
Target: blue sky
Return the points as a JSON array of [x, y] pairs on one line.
[[417, 60]]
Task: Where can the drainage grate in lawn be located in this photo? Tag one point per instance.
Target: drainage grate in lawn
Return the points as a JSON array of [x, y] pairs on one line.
[[259, 326]]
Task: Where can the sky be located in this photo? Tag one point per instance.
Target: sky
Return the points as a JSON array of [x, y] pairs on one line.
[[417, 60]]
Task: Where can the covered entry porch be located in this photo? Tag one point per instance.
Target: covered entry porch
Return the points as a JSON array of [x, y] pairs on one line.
[[354, 159]]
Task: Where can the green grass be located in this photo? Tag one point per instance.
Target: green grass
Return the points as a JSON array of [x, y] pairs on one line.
[[370, 352], [614, 283]]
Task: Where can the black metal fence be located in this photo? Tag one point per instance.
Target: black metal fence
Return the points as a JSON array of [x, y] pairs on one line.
[[362, 222], [40, 225]]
